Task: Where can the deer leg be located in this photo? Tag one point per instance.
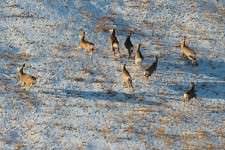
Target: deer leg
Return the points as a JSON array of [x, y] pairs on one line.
[[129, 53], [22, 83], [113, 49], [125, 84], [184, 56], [118, 49], [91, 58]]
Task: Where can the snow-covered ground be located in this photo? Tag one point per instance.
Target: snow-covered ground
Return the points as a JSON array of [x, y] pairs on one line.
[[81, 104]]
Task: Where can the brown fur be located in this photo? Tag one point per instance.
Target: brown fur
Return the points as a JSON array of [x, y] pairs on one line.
[[127, 80], [189, 94], [26, 80], [151, 69], [114, 42], [89, 47], [188, 52], [138, 56]]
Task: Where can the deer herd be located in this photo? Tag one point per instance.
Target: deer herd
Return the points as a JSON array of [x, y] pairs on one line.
[[27, 80]]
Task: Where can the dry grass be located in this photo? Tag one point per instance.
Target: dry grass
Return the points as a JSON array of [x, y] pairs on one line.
[[98, 81], [86, 71], [160, 132], [80, 147], [15, 57], [105, 131], [148, 24], [19, 146], [177, 117], [197, 135], [144, 110], [104, 24], [126, 120], [63, 50], [129, 129], [168, 141], [87, 14], [207, 146], [78, 79], [202, 135], [164, 120], [220, 132]]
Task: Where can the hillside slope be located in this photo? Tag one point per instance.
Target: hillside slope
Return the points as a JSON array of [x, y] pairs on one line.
[[79, 103]]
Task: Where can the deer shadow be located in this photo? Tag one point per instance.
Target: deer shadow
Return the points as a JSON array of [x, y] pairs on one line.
[[210, 74], [113, 96], [204, 89], [207, 67]]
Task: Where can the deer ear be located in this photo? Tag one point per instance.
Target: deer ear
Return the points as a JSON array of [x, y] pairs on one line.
[[130, 33]]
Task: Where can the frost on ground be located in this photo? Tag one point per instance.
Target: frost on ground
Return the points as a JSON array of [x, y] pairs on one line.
[[79, 103]]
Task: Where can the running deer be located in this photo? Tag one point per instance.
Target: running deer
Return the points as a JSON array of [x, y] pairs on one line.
[[187, 52], [126, 78], [25, 79]]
